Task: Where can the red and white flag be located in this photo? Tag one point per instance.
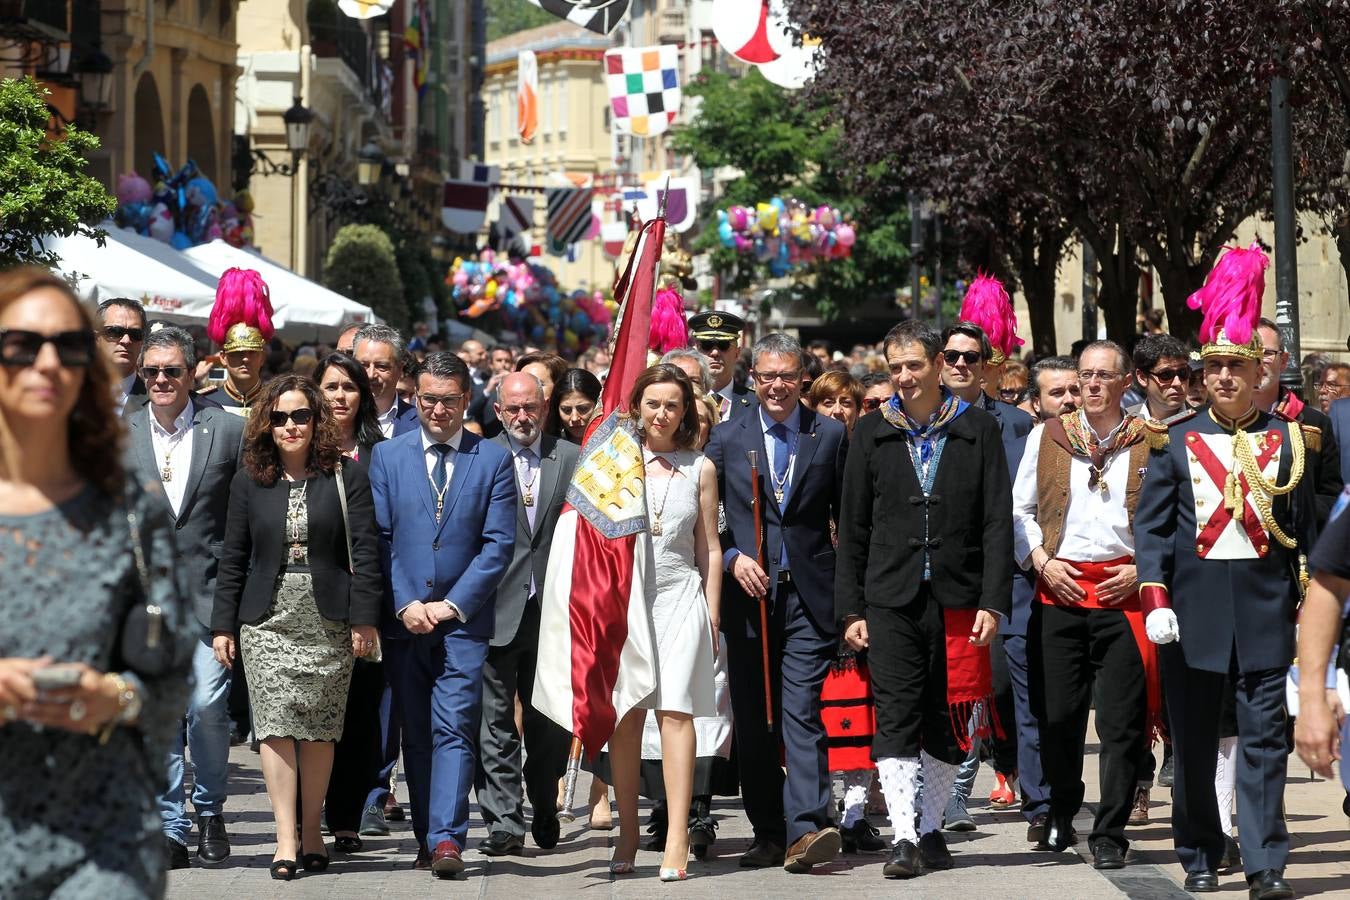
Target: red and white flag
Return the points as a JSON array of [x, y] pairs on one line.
[[597, 645]]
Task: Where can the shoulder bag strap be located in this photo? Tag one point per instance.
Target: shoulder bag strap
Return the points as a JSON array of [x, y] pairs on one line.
[[346, 524]]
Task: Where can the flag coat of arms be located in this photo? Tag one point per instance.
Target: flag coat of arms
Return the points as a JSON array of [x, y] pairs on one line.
[[464, 201], [600, 16], [597, 644], [681, 198], [516, 215], [527, 95], [644, 88], [569, 215]]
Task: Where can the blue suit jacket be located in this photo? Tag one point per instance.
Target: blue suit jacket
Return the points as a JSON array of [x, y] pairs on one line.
[[1340, 426], [405, 419], [1014, 425], [464, 556], [811, 503]]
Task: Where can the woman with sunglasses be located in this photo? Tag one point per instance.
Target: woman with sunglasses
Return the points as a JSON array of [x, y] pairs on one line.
[[81, 710], [877, 389], [304, 590]]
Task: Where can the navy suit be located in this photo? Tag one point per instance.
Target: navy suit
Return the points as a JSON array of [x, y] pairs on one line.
[[436, 677], [1236, 618], [405, 419], [803, 636], [1340, 427]]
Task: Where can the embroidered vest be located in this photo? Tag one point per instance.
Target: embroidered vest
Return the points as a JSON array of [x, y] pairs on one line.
[[1052, 482]]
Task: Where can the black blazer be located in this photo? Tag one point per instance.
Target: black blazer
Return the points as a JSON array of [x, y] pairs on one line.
[[255, 550], [881, 527]]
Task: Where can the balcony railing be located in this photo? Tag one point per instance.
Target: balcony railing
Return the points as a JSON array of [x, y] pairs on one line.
[[33, 20], [336, 36]]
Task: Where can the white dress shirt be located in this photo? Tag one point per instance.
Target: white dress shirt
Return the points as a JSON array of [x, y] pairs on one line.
[[386, 420], [123, 389], [431, 456], [1096, 525], [173, 455]]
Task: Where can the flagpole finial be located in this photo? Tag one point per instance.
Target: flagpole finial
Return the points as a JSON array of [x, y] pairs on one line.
[[665, 196]]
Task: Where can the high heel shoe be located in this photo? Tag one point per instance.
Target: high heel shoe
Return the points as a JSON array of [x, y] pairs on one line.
[[621, 867], [314, 862], [673, 874], [282, 869]]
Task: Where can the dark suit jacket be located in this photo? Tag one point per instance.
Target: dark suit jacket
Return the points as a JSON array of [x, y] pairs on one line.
[[743, 400], [1221, 603], [1340, 426], [1014, 425], [405, 419], [812, 501], [199, 532], [255, 550], [463, 556], [881, 531], [1325, 466], [137, 397], [558, 460]]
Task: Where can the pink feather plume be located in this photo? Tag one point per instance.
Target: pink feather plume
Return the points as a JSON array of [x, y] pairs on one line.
[[1231, 297], [668, 329], [241, 296], [988, 305]]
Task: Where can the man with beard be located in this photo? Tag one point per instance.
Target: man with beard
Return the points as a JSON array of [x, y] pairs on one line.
[[717, 335], [1054, 387], [543, 467]]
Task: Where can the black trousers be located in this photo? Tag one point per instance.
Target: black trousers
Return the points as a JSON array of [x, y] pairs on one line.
[[359, 755], [508, 671], [1082, 655], [907, 656], [1195, 699], [1005, 711]]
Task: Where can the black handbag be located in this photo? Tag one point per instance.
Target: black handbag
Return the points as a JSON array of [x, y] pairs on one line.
[[146, 646]]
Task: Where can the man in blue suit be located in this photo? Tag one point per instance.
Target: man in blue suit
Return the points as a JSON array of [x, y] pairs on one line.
[[801, 469], [1339, 413], [441, 581], [381, 351]]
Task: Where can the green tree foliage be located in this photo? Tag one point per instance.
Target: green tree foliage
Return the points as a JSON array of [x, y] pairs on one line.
[[509, 16], [43, 187], [783, 146], [361, 264]]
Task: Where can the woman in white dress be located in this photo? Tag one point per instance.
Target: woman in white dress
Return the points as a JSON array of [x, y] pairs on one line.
[[682, 521]]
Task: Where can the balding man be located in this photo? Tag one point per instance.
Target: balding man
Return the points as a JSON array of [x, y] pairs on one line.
[[543, 467]]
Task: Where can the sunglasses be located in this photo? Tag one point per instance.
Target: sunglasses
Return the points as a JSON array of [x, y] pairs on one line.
[[709, 346], [152, 373], [19, 348], [115, 333], [1167, 376], [970, 356], [871, 403], [302, 416]]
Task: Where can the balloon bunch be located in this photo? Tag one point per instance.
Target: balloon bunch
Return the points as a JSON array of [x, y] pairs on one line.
[[786, 233], [489, 282], [183, 208]]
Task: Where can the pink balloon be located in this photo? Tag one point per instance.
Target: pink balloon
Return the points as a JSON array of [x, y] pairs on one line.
[[846, 235]]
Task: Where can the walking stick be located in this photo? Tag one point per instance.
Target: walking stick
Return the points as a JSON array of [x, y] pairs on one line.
[[570, 781], [753, 457]]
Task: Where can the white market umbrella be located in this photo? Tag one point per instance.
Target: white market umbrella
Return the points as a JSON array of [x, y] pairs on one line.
[[302, 309], [167, 284]]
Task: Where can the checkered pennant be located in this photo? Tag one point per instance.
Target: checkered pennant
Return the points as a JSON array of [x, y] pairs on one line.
[[600, 16], [644, 88], [569, 214]]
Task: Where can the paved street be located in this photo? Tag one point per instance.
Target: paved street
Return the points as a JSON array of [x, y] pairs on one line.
[[993, 861]]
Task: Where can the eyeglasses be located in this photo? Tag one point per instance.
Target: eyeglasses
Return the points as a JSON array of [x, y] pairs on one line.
[[710, 346], [767, 378], [19, 348], [278, 419], [1328, 386], [871, 403], [1101, 375], [970, 356], [1166, 376], [1269, 354], [513, 411], [115, 333], [430, 401], [152, 373]]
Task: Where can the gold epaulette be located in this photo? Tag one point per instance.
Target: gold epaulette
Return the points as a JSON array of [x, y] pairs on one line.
[[1312, 437], [202, 392], [1155, 435]]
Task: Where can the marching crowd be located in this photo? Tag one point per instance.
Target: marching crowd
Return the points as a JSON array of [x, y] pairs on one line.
[[883, 567]]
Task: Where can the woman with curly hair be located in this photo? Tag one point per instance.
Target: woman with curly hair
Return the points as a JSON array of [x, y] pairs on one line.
[[87, 715], [304, 589]]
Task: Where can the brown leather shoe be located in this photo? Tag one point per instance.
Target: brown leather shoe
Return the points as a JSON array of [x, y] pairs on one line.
[[423, 861], [811, 849], [445, 860], [1139, 809]]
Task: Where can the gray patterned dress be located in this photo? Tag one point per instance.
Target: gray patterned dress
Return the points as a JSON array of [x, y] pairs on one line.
[[78, 818], [299, 663]]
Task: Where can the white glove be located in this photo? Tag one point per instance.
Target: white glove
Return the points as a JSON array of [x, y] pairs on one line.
[[1161, 626]]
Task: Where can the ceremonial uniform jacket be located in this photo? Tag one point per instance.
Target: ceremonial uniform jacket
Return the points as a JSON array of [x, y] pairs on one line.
[[1229, 581]]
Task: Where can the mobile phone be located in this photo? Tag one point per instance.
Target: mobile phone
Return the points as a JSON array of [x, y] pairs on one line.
[[217, 374], [51, 678]]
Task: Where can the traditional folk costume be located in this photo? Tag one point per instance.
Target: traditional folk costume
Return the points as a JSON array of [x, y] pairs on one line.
[[1224, 519], [1075, 496], [241, 319], [924, 538]]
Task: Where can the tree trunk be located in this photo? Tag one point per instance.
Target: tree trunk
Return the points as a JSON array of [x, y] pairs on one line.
[[1039, 250], [1340, 232], [1178, 282], [1118, 283]]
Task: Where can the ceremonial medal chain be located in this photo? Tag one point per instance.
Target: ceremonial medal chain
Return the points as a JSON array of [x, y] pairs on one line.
[[656, 515], [173, 440], [780, 486], [527, 487], [1263, 490], [440, 495]]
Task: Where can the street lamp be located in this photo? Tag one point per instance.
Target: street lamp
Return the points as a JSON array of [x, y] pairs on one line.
[[298, 120], [368, 164], [96, 80]]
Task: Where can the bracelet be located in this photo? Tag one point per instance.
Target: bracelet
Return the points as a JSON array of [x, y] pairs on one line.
[[128, 706]]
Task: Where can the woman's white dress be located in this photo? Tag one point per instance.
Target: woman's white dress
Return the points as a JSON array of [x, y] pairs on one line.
[[684, 640]]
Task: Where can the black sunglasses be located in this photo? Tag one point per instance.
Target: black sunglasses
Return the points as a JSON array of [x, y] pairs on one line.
[[19, 348], [1166, 376], [302, 416], [152, 373], [707, 346], [115, 333], [871, 403], [970, 356]]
